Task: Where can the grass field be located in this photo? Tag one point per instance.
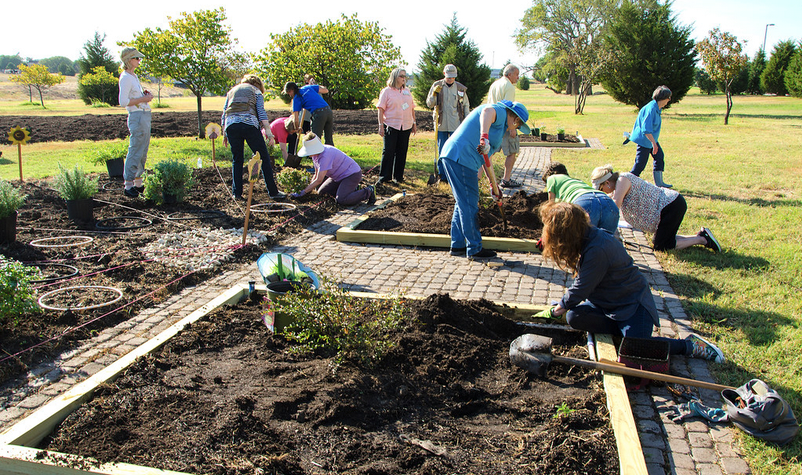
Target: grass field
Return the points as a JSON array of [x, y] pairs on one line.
[[743, 180]]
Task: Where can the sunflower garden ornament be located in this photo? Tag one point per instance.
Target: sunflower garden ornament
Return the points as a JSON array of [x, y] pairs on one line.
[[19, 137], [213, 131]]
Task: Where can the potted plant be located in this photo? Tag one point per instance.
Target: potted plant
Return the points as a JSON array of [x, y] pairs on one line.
[[170, 182], [560, 133], [535, 130], [77, 188], [543, 134], [113, 155], [10, 201]]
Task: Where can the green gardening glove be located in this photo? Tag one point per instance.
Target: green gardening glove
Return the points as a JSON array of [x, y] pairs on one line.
[[548, 314]]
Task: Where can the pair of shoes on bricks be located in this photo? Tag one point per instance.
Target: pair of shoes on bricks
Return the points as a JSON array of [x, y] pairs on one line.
[[705, 349], [712, 242], [483, 254], [510, 183], [459, 251]]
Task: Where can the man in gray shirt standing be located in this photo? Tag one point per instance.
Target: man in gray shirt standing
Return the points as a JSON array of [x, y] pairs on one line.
[[449, 103], [503, 89]]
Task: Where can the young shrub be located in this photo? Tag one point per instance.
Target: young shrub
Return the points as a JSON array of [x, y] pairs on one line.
[[110, 151], [74, 184], [10, 199], [292, 180], [560, 130], [171, 177], [16, 293]]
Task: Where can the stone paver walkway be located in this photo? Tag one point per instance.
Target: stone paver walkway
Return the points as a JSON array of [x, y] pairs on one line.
[[694, 447]]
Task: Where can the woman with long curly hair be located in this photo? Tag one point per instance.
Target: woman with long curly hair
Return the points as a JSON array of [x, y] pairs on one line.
[[609, 294]]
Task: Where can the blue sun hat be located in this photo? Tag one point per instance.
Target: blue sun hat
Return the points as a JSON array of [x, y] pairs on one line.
[[520, 110]]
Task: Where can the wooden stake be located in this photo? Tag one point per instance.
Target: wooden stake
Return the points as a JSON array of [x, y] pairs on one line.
[[19, 152], [254, 164]]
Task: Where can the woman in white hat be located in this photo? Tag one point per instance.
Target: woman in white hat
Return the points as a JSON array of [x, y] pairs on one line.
[[136, 102], [336, 174]]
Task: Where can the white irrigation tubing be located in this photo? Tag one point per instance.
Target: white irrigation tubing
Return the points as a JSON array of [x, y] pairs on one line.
[[114, 290], [86, 240], [140, 211], [72, 329], [87, 231]]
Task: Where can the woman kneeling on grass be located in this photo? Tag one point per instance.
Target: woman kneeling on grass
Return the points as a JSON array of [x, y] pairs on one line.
[[337, 174], [609, 294], [652, 209]]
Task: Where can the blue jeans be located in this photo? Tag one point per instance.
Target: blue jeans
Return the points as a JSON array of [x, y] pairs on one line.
[[642, 157], [441, 140], [602, 210], [465, 220], [590, 318], [237, 134], [138, 144]]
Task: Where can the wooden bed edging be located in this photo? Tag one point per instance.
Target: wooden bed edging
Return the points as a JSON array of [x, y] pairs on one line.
[[581, 144], [349, 233], [18, 457]]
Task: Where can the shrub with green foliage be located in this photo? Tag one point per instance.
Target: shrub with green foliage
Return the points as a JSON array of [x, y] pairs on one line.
[[97, 55], [172, 177], [10, 199], [74, 184], [523, 83], [16, 292], [292, 180], [334, 323], [109, 151]]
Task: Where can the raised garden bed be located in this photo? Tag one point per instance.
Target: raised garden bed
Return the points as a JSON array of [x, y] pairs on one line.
[[224, 396], [425, 220], [569, 141]]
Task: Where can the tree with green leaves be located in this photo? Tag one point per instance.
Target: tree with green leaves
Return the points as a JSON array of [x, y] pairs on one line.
[[38, 77], [59, 64], [573, 30], [196, 50], [793, 75], [351, 58], [96, 54], [651, 49], [721, 54], [756, 67], [10, 61], [452, 47], [773, 77], [102, 82]]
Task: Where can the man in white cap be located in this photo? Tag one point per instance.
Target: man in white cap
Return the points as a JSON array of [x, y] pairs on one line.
[[503, 89], [449, 103], [136, 102]]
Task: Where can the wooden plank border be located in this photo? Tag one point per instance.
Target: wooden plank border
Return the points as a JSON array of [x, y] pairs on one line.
[[18, 457]]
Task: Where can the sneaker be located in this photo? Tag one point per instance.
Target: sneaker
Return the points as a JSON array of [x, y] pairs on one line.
[[459, 251], [278, 196], [704, 349], [712, 242], [483, 254], [131, 192], [140, 189], [372, 196], [510, 183]]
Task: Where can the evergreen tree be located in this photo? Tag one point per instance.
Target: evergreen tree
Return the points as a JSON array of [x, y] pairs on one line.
[[756, 67], [96, 54], [793, 75], [650, 49], [451, 47], [703, 82], [773, 77]]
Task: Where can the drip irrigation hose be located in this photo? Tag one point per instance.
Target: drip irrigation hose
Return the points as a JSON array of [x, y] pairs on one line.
[[145, 223], [211, 213], [43, 297], [85, 240], [72, 269]]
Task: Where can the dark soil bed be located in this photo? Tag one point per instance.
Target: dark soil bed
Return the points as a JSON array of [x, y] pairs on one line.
[[431, 213], [227, 397], [552, 138]]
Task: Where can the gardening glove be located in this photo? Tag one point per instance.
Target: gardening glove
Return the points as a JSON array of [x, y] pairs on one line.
[[484, 145], [438, 89], [548, 314], [297, 195], [539, 245], [696, 408]]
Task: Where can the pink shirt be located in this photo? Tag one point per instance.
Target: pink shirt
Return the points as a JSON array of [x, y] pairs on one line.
[[398, 106], [277, 127]]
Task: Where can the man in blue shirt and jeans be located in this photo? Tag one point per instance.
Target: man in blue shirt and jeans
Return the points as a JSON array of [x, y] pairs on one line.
[[309, 97]]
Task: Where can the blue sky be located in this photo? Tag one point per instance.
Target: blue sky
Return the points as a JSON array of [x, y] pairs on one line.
[[62, 28]]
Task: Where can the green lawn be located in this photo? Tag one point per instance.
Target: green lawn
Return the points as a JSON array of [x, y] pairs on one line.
[[743, 181]]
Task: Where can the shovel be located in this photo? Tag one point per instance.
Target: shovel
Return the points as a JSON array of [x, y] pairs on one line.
[[494, 190], [435, 177], [533, 353]]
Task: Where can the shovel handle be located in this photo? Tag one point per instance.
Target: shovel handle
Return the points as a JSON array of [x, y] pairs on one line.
[[619, 368]]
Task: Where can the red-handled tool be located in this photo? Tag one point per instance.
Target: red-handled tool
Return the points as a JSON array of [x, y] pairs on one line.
[[494, 189]]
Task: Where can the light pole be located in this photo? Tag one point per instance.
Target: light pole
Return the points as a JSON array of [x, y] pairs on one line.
[[764, 36]]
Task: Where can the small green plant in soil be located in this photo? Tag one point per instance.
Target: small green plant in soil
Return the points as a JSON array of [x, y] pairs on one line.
[[10, 199], [561, 130], [292, 180], [171, 177], [16, 292], [563, 411], [109, 151], [74, 184], [334, 323]]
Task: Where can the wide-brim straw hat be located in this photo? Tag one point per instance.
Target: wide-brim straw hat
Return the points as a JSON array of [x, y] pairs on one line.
[[129, 53], [311, 147]]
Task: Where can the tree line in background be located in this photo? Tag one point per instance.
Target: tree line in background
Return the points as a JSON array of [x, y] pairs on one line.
[[627, 46]]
